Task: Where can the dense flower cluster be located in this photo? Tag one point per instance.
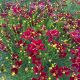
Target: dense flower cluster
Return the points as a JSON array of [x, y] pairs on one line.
[[39, 41]]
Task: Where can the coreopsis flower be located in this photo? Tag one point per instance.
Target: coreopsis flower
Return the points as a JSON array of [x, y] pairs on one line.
[[75, 77], [18, 63], [73, 52], [66, 28], [14, 71], [26, 14], [55, 71], [65, 70], [43, 76], [4, 14], [15, 56], [68, 16], [2, 46], [16, 9], [33, 6], [61, 47], [29, 34], [38, 69], [41, 5], [9, 5], [35, 60], [62, 54], [3, 25], [52, 34], [20, 43], [50, 9], [36, 46], [78, 22], [75, 59], [60, 15], [75, 35]]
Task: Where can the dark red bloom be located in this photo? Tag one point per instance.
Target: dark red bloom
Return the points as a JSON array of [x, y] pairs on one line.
[[78, 22], [29, 34], [68, 16], [60, 15], [20, 43], [18, 63], [55, 71], [61, 47], [9, 5], [15, 56], [35, 46], [38, 69], [65, 70], [62, 54], [16, 9], [2, 46], [4, 25], [73, 52], [36, 61], [41, 5], [4, 14], [52, 34], [14, 70], [76, 77], [66, 28], [33, 6], [75, 35], [43, 76], [72, 78]]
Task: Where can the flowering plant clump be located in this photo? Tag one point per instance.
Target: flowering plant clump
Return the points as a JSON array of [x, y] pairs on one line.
[[40, 40]]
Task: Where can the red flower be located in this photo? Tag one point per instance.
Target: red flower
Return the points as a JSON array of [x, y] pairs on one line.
[[43, 76], [60, 15], [66, 28], [72, 78], [61, 47], [36, 61], [15, 56], [38, 69], [55, 71], [62, 54], [18, 63], [20, 43], [4, 14], [41, 5], [2, 46], [14, 70], [65, 70], [78, 23], [33, 6], [76, 51], [29, 34], [76, 77], [73, 51], [16, 9], [68, 16], [4, 25], [75, 35], [52, 34], [9, 5], [35, 46]]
